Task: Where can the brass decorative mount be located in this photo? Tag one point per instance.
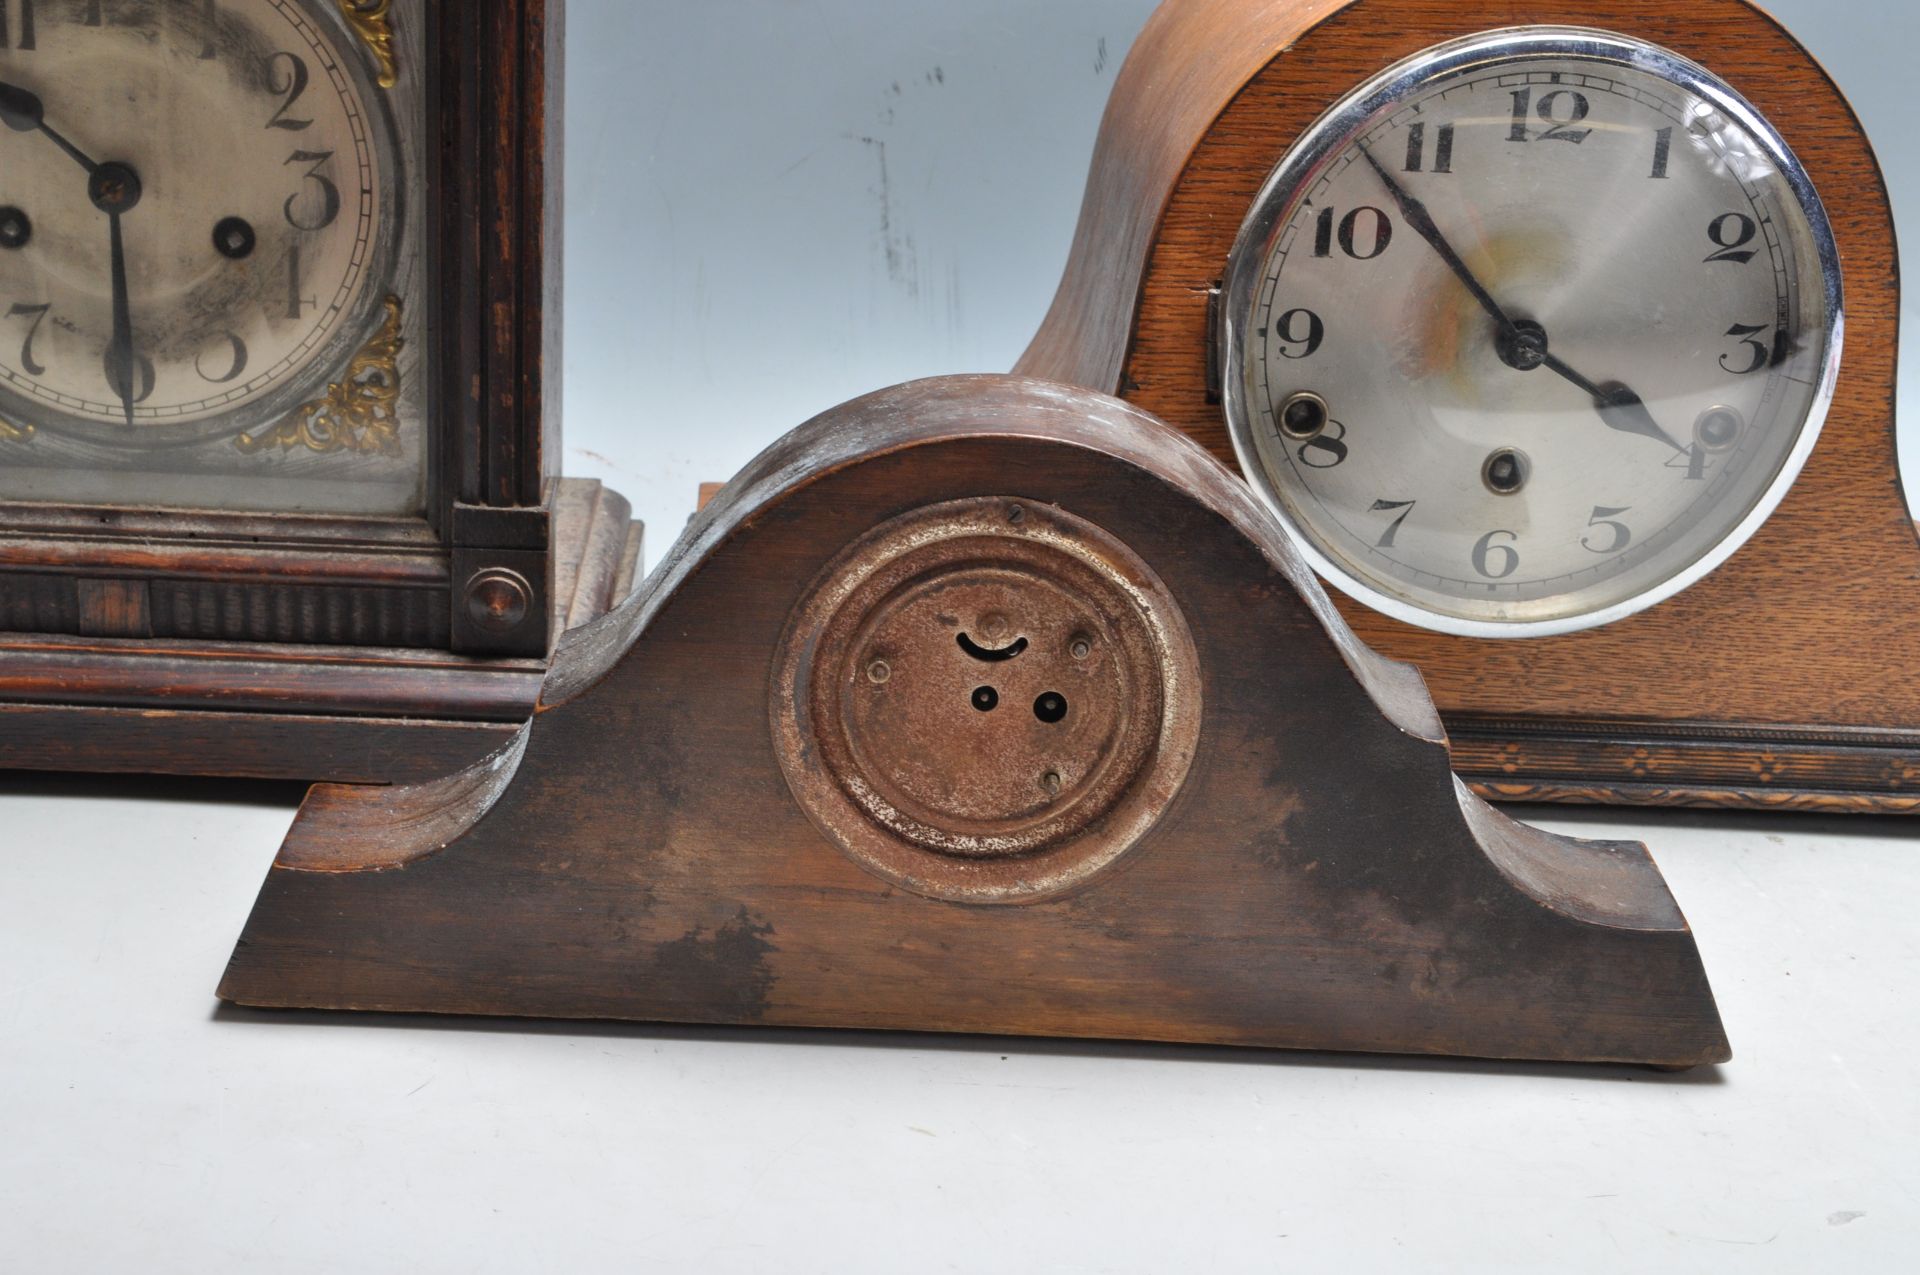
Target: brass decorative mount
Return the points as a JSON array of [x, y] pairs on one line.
[[372, 21], [358, 413]]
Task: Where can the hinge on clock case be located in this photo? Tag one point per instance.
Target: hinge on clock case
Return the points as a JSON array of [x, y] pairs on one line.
[[1214, 381]]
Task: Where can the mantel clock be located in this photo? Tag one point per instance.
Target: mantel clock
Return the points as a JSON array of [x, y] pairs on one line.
[[1560, 335], [279, 431]]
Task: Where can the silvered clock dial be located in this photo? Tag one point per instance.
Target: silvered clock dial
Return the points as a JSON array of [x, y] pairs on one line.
[[1531, 332], [203, 233]]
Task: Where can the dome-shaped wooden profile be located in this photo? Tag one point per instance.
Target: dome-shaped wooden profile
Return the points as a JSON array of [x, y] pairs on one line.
[[984, 705], [1783, 679]]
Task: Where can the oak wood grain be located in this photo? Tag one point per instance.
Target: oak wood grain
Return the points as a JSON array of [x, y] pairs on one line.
[[1807, 626]]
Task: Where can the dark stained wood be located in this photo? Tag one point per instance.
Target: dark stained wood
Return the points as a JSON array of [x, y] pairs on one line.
[[1806, 631], [270, 711], [242, 618], [494, 253], [251, 745], [1318, 879], [498, 211]]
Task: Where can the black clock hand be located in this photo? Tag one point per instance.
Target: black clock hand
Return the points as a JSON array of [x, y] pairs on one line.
[[1619, 407], [120, 354], [23, 112], [115, 190], [1423, 225]]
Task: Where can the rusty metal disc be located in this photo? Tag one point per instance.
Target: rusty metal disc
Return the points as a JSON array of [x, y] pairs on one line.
[[986, 701]]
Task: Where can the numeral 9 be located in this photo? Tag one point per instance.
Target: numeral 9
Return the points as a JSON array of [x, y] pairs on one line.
[[1300, 328]]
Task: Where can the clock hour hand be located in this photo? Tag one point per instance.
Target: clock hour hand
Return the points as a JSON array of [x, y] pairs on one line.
[[1621, 408], [22, 111]]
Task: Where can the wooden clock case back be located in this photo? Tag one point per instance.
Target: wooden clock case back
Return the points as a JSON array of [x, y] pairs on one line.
[[1782, 680], [368, 649], [983, 705]]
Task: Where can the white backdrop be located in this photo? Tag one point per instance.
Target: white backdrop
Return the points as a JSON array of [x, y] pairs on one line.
[[742, 258], [776, 205]]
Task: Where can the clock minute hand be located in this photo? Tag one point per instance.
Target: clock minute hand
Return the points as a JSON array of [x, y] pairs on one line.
[[1619, 407], [22, 111], [1423, 224], [120, 352]]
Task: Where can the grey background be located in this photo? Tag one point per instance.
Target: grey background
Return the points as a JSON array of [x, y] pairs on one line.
[[777, 205]]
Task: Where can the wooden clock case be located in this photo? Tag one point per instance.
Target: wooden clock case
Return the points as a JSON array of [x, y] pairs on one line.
[[364, 649], [958, 711], [1781, 681]]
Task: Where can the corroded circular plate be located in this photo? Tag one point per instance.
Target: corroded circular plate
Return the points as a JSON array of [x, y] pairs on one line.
[[986, 701]]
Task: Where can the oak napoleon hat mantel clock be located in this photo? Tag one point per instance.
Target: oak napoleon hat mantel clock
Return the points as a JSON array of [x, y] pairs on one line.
[[1560, 335], [278, 385]]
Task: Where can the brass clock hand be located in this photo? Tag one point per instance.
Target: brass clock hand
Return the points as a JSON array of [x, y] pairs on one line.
[[1524, 346], [22, 111]]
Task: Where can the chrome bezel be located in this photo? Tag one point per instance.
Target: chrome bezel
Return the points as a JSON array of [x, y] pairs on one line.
[[1352, 117]]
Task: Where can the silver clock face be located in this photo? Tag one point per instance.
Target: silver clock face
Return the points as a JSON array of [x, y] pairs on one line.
[[197, 213], [1531, 333]]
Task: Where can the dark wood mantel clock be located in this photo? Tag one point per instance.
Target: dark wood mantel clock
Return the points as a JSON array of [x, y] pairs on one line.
[[279, 399], [1561, 336]]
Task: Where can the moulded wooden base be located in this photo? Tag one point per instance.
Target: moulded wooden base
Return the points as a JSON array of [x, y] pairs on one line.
[[325, 714], [1244, 832]]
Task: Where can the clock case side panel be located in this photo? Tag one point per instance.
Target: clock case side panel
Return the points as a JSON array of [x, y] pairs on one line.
[[1798, 698], [498, 95], [493, 264]]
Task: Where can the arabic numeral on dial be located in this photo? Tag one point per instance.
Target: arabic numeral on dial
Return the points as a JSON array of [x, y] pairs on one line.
[[138, 381], [1731, 233], [238, 351], [1302, 329], [1329, 450], [291, 89], [329, 194], [1694, 461], [1662, 152], [25, 41], [1393, 529], [1620, 535], [28, 364], [1442, 148], [1494, 558], [1758, 353], [1378, 233], [1559, 110], [295, 302]]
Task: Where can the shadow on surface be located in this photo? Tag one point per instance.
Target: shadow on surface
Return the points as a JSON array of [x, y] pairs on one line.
[[1785, 825], [213, 792], [225, 1015]]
